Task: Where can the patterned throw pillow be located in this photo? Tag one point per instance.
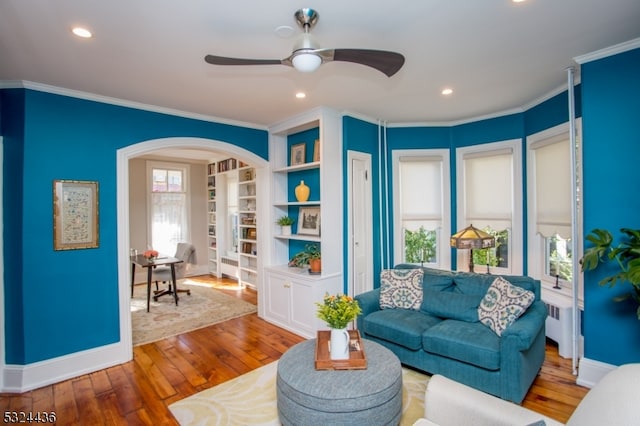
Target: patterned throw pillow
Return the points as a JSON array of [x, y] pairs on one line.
[[503, 304], [401, 288]]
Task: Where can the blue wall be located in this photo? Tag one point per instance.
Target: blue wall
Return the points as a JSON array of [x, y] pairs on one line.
[[49, 298], [611, 149], [61, 302]]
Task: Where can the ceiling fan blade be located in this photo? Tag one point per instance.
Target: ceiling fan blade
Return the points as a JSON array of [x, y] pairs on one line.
[[388, 63], [222, 60]]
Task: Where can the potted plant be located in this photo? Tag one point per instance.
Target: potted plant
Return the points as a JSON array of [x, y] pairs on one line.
[[338, 311], [314, 256], [285, 223], [310, 256], [625, 256]]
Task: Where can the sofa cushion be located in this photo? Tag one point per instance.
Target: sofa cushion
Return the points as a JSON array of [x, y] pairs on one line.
[[503, 304], [401, 326], [447, 304], [468, 342], [401, 288]]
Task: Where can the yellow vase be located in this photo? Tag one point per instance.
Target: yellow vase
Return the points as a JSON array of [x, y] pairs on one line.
[[302, 192]]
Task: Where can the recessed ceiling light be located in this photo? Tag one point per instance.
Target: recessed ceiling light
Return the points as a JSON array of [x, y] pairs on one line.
[[82, 32], [517, 1], [301, 95], [447, 91]]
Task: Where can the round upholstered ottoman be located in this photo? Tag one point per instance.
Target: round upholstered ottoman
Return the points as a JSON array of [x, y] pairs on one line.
[[307, 396]]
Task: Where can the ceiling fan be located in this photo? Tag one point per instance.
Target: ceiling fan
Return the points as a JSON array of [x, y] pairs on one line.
[[307, 55]]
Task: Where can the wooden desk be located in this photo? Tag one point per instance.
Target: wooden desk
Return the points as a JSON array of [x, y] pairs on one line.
[[140, 260]]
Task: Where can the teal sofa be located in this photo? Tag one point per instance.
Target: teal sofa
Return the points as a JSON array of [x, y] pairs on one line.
[[444, 336]]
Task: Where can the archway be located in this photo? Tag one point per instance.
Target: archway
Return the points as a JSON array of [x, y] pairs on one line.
[[122, 186]]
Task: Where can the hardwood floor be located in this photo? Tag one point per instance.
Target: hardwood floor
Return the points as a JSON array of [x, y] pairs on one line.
[[166, 371]]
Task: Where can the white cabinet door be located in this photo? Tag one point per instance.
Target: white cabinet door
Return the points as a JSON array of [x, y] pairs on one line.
[[278, 298], [303, 308]]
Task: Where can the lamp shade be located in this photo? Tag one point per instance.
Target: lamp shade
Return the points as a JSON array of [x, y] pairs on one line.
[[306, 62], [472, 238]]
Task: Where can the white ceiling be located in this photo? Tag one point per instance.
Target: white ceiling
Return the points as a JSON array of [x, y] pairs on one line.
[[498, 56]]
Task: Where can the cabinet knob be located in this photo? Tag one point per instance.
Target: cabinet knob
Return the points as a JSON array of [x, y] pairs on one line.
[[287, 285]]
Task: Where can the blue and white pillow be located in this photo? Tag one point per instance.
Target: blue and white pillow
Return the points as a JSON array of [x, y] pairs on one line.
[[503, 304], [401, 288]]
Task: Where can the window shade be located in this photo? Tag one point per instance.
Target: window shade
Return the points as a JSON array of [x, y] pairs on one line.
[[421, 183], [489, 189], [553, 188]]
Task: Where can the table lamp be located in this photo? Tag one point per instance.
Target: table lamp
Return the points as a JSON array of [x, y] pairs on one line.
[[472, 238]]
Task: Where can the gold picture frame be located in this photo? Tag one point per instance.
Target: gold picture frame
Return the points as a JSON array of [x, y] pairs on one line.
[[298, 154], [75, 214], [316, 150]]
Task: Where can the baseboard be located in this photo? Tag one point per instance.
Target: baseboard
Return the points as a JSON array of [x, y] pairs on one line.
[[590, 372], [23, 378]]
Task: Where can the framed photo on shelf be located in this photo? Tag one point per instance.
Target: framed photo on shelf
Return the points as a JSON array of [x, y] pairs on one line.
[[75, 214], [309, 221], [298, 153], [316, 150]]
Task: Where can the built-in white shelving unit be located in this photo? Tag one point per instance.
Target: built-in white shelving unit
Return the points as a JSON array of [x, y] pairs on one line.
[[289, 293], [232, 234]]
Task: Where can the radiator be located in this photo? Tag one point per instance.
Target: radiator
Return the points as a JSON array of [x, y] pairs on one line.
[[229, 267], [559, 323]]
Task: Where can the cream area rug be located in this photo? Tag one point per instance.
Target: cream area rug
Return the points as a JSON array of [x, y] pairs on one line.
[[251, 400], [205, 306]]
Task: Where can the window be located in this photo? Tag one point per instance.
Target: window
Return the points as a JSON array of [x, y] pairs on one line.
[[489, 194], [421, 207], [168, 203], [550, 203]]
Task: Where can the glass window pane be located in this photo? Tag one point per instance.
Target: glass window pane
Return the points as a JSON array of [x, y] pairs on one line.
[[420, 244], [175, 181], [497, 256], [159, 177], [558, 258]]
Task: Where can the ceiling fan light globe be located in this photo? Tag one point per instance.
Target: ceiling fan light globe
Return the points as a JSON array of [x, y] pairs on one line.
[[306, 62]]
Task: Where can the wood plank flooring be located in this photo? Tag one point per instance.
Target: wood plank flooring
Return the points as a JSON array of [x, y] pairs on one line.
[[139, 392]]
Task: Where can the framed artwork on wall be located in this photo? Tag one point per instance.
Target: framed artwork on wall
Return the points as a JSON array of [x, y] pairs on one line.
[[309, 221], [298, 153], [75, 214]]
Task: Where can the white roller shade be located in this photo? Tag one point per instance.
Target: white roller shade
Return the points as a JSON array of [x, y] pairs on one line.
[[489, 189], [553, 188], [421, 183]]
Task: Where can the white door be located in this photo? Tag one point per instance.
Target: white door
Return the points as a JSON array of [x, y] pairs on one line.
[[360, 223]]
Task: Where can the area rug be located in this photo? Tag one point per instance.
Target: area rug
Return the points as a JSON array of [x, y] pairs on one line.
[[205, 306], [251, 400]]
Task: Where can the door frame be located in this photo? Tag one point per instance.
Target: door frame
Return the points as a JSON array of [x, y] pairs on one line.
[[122, 190], [358, 155]]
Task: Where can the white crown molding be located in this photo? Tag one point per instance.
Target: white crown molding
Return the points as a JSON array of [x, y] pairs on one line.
[[608, 51], [121, 102]]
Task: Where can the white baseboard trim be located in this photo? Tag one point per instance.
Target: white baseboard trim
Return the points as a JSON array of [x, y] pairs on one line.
[[23, 378], [590, 372]]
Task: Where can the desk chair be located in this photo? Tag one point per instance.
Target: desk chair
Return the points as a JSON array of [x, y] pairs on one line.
[[185, 252]]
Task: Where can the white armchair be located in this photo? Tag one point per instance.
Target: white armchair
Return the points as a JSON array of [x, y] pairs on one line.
[[613, 401]]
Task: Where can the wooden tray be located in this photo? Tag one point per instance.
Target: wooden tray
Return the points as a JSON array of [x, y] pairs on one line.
[[357, 358]]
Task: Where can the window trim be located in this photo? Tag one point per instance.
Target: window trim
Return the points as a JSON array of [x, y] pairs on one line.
[[536, 246], [516, 231], [186, 170], [443, 155]]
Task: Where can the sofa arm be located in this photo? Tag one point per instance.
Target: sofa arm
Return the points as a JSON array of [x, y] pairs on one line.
[[369, 301], [522, 333], [451, 403]]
